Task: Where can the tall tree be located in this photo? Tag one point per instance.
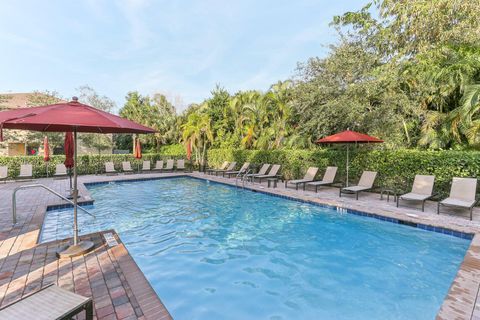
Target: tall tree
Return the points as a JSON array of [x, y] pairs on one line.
[[89, 96]]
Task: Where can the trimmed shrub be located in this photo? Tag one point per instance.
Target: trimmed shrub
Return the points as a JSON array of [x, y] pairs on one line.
[[396, 168], [87, 164]]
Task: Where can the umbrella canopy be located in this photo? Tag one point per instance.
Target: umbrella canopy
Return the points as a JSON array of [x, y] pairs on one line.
[[68, 146], [64, 117], [68, 117], [46, 150], [138, 149], [348, 137]]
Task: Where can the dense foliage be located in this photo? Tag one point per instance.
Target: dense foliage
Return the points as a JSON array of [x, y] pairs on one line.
[[405, 71], [396, 168], [87, 164]]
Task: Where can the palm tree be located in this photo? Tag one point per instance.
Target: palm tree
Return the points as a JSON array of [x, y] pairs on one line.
[[198, 132]]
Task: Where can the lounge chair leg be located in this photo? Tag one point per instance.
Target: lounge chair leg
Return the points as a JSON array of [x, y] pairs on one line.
[[471, 213], [356, 193], [296, 186], [316, 189], [340, 193], [438, 208], [89, 311], [304, 186], [423, 206], [398, 199]]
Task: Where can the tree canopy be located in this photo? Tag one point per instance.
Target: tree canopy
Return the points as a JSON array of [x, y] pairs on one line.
[[405, 71]]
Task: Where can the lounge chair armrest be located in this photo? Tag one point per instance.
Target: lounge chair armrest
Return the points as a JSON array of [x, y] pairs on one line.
[[436, 197], [338, 184]]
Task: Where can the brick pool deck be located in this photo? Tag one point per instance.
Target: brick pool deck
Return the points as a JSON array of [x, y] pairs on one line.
[[119, 288]]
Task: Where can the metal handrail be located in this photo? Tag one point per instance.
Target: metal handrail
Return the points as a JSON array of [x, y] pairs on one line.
[[14, 198], [239, 175], [245, 176]]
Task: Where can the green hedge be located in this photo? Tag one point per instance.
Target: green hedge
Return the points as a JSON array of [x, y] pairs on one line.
[[87, 164], [396, 168]]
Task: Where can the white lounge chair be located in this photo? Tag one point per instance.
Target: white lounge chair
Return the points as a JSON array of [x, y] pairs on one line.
[[60, 171], [462, 195], [309, 177], [364, 184], [222, 167], [25, 171], [422, 190], [242, 170], [263, 170], [169, 165], [110, 168], [230, 167], [50, 302], [328, 178], [273, 173], [146, 166], [180, 165], [158, 166], [127, 167], [3, 173]]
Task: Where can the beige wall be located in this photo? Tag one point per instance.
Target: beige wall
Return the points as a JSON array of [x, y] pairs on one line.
[[16, 149]]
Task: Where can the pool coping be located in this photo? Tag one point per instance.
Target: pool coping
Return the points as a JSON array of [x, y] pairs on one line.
[[461, 299]]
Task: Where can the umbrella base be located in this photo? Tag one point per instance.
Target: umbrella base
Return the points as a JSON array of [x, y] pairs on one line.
[[75, 250]]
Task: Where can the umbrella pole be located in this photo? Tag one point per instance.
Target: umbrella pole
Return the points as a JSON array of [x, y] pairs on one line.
[[82, 247], [75, 191], [347, 162]]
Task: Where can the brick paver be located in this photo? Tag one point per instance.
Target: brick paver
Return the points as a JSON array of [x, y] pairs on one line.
[[121, 291], [109, 275]]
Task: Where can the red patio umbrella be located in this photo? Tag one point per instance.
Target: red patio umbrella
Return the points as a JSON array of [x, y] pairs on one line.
[[348, 137], [138, 149], [68, 117], [68, 147], [46, 150], [46, 153]]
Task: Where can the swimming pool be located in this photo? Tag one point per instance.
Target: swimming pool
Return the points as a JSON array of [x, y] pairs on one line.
[[215, 251]]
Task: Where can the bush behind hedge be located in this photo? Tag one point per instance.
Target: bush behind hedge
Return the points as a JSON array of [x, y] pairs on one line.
[[87, 164], [396, 168]]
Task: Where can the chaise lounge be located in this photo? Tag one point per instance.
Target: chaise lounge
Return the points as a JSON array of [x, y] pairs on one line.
[[273, 173], [242, 170], [146, 166], [3, 173], [222, 167], [180, 165], [110, 168], [422, 190], [158, 166], [50, 302], [60, 171], [169, 165], [127, 167], [309, 177], [364, 184], [462, 195], [230, 167], [327, 180], [25, 171]]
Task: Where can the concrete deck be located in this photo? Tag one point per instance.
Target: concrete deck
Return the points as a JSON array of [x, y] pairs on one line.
[[120, 290]]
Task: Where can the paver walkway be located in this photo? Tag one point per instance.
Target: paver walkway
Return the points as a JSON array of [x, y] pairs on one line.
[[118, 287], [108, 274]]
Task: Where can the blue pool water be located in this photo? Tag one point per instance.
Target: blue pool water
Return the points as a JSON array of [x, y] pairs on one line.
[[216, 252]]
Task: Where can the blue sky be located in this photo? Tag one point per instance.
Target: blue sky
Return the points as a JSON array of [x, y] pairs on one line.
[[181, 48]]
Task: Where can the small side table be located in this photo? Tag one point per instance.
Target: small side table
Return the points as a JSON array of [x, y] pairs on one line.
[[274, 180], [388, 192]]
